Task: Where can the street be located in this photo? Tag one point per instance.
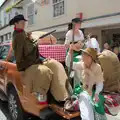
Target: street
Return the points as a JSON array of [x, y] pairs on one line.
[[4, 114]]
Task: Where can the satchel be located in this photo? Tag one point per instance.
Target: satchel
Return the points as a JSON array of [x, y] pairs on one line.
[[72, 104]]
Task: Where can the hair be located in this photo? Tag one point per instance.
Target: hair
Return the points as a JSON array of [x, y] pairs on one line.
[[70, 26]]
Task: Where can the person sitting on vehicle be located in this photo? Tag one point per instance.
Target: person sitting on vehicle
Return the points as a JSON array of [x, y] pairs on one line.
[[78, 35], [91, 74], [78, 38], [39, 76]]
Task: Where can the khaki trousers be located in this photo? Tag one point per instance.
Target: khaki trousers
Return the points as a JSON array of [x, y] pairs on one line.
[[37, 78], [58, 83]]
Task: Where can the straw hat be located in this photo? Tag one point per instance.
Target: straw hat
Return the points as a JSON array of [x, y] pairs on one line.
[[91, 52]]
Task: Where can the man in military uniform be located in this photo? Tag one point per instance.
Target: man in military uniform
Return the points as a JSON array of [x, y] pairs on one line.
[[37, 76]]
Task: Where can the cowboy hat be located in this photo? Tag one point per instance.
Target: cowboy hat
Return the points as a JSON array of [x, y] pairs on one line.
[[76, 20], [17, 19], [91, 52]]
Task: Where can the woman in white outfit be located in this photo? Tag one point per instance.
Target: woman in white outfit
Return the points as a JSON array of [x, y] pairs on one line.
[[91, 74], [78, 34], [78, 38]]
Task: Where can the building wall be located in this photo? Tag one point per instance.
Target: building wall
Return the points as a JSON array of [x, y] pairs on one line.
[[98, 7], [44, 17], [5, 31]]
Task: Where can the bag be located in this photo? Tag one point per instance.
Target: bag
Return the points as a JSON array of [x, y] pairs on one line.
[[112, 103], [72, 104], [111, 70]]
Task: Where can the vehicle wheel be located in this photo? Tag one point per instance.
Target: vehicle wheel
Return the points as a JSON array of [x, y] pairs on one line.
[[14, 105]]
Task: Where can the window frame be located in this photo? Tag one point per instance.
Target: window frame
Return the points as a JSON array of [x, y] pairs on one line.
[[31, 14], [53, 4]]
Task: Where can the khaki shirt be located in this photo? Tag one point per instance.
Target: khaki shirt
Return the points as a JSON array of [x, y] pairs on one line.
[[25, 50], [91, 76]]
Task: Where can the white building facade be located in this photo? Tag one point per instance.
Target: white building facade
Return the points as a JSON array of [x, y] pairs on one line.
[[5, 16], [101, 17]]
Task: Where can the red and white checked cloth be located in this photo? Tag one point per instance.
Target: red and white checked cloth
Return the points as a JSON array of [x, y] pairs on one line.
[[112, 103], [57, 52]]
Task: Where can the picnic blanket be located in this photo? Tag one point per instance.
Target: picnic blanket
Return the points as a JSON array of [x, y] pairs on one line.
[[57, 52]]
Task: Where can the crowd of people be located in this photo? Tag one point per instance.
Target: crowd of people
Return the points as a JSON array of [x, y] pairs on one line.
[[88, 73]]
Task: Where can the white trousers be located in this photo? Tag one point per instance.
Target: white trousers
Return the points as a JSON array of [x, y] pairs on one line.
[[86, 108]]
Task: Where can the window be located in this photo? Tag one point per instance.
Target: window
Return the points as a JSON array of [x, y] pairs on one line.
[[44, 2], [9, 17], [6, 37], [30, 14], [1, 39], [5, 20], [9, 36], [58, 7], [16, 13]]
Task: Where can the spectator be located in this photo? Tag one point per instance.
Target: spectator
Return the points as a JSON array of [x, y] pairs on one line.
[[115, 49], [106, 46]]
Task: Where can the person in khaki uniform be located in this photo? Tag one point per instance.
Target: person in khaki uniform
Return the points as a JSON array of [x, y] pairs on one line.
[[37, 76]]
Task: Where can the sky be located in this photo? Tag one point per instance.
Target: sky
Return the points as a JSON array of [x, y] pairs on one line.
[[1, 1]]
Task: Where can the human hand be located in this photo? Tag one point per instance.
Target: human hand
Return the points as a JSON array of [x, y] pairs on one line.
[[96, 98], [71, 48]]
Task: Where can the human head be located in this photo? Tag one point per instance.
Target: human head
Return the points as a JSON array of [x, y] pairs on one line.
[[89, 55], [77, 23], [116, 50], [18, 21], [106, 46]]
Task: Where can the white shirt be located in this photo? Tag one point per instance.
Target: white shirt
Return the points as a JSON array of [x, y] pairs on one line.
[[93, 43], [69, 37]]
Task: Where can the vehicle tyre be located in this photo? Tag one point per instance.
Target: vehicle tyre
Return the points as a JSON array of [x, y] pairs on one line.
[[14, 105]]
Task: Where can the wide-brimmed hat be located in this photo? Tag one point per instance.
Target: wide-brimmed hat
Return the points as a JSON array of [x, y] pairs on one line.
[[17, 19], [76, 20], [91, 52]]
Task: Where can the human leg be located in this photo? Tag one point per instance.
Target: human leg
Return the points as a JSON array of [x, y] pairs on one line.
[[86, 108]]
